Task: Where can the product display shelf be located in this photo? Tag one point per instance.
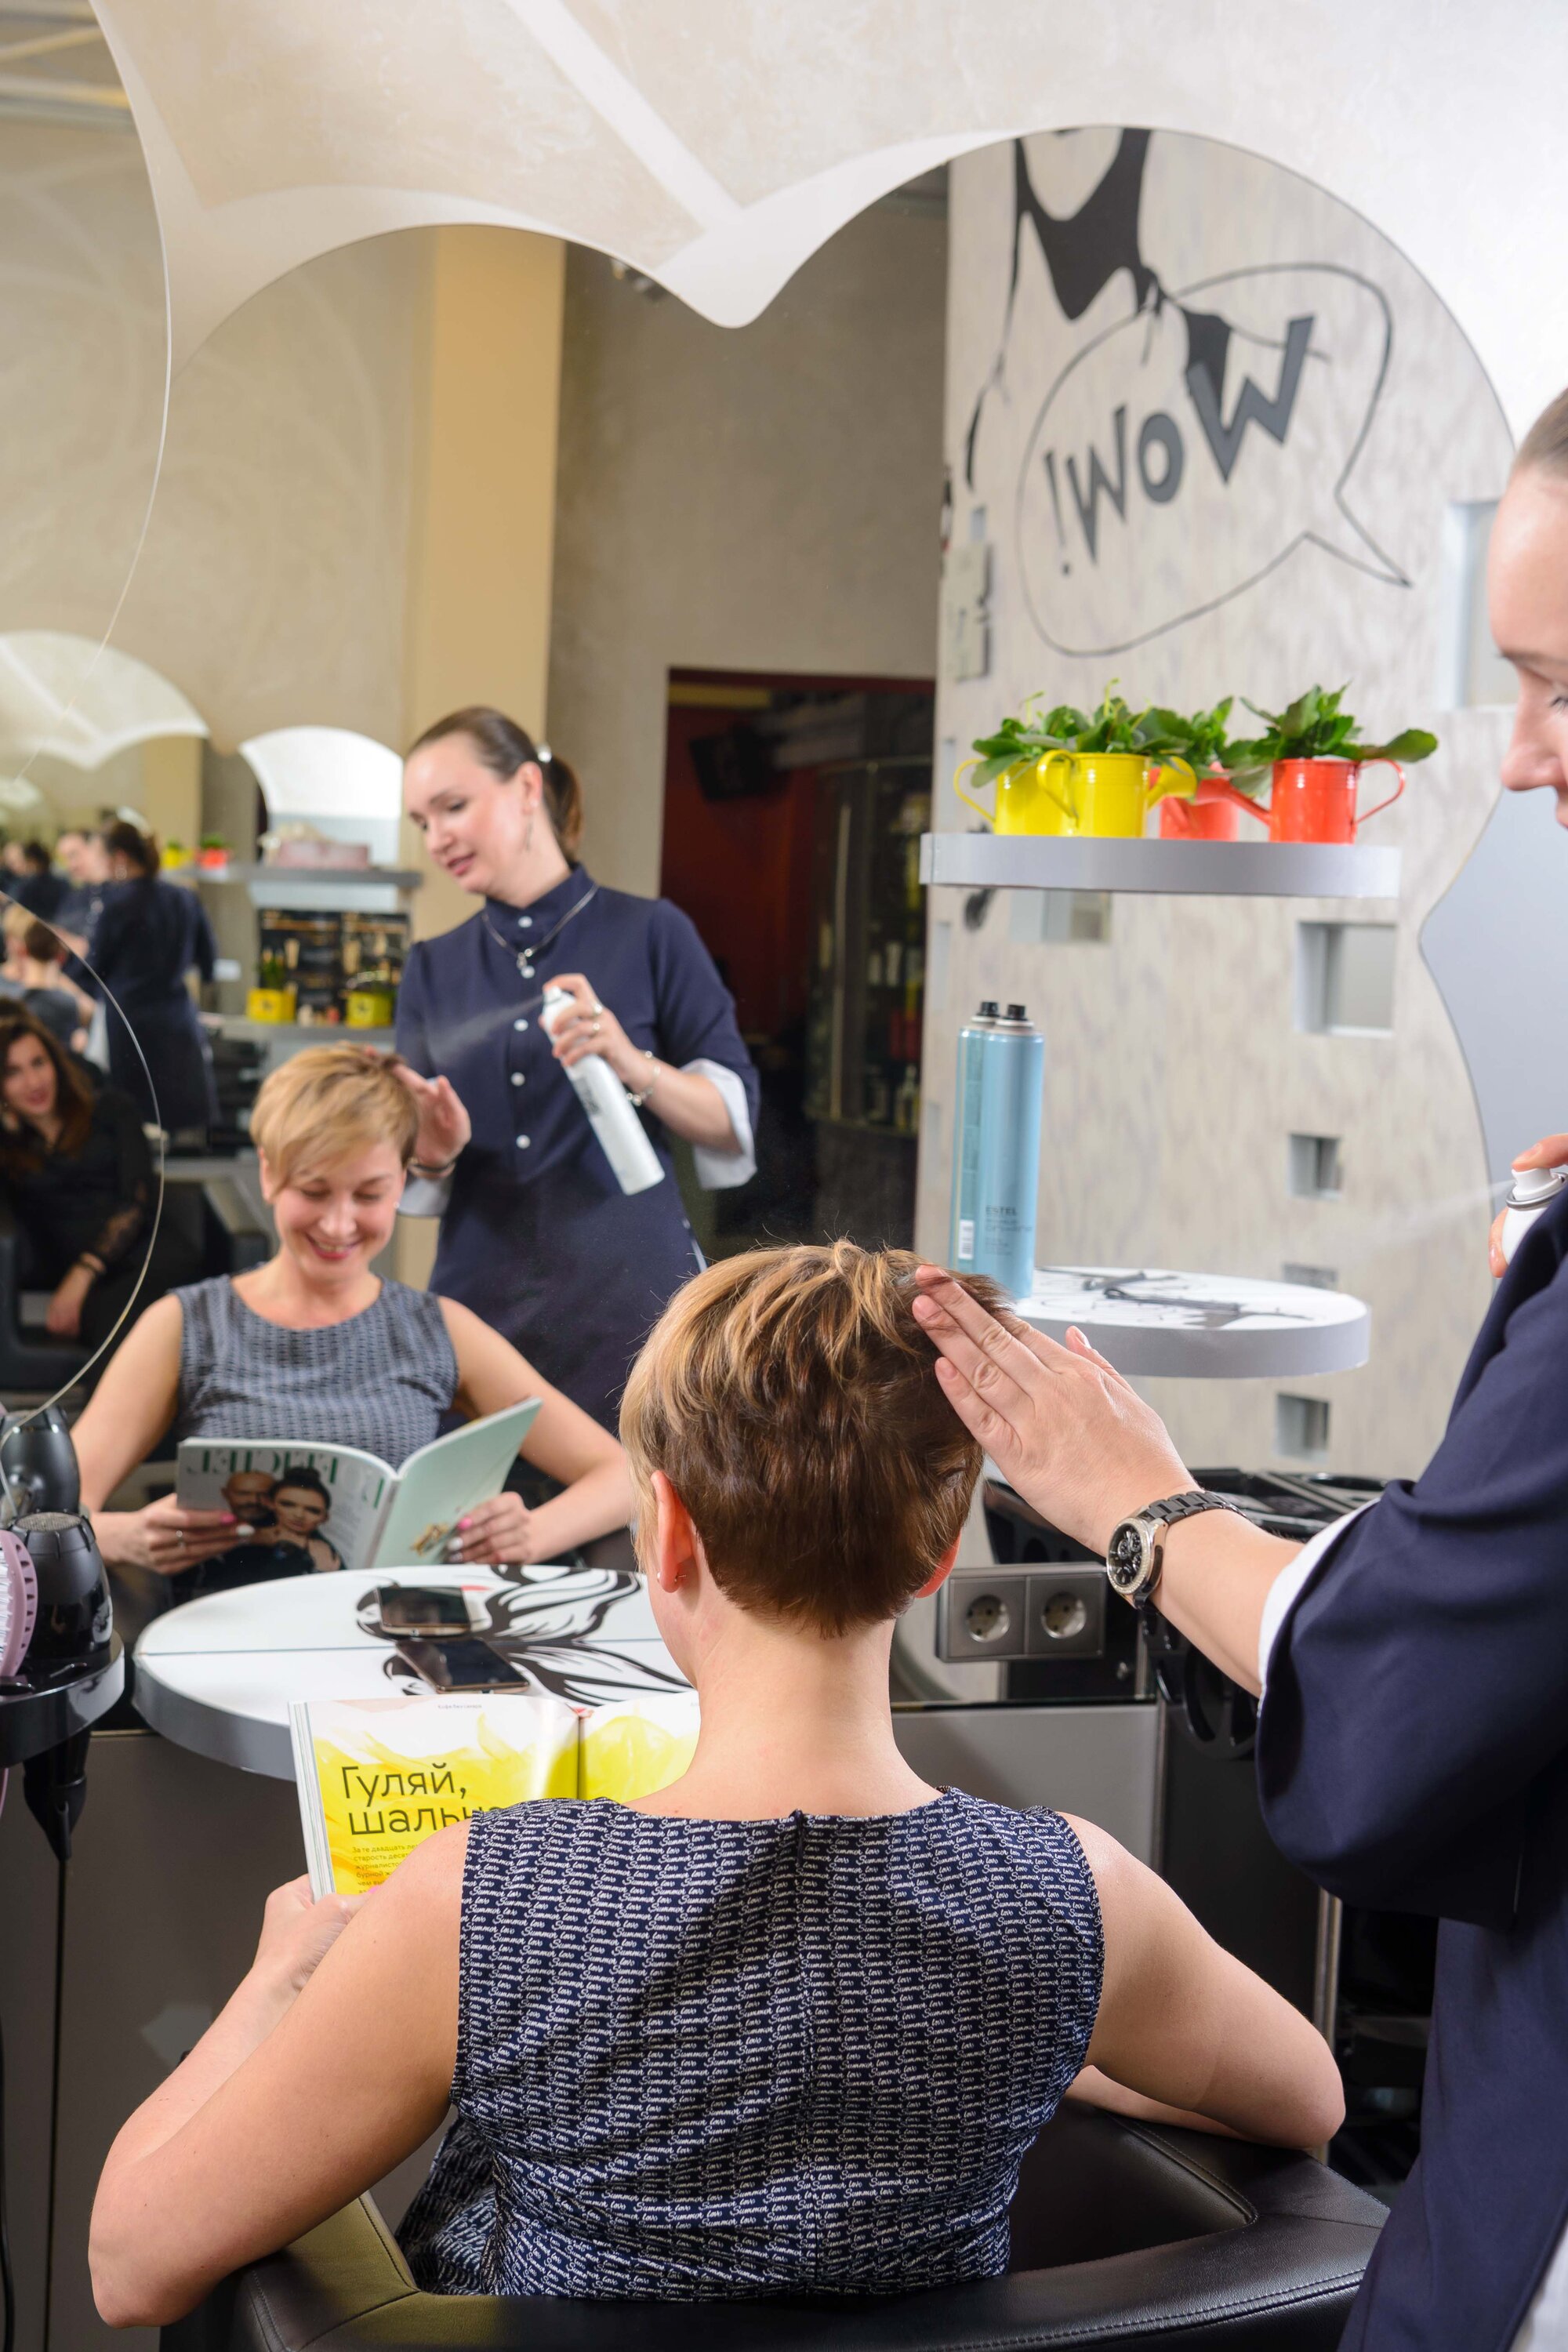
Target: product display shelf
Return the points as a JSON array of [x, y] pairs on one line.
[[1149, 1322], [1203, 869], [334, 878]]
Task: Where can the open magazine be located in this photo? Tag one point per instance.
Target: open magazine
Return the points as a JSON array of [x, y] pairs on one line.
[[378, 1776], [321, 1507]]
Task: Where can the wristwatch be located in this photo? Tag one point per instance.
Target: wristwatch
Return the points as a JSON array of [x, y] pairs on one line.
[[1136, 1552]]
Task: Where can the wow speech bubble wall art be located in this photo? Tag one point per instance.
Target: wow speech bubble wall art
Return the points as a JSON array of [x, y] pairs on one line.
[[1181, 453], [1223, 422]]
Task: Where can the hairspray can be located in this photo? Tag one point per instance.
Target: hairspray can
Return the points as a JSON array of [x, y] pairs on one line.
[[1531, 1193], [611, 1115], [966, 1136], [1007, 1174]]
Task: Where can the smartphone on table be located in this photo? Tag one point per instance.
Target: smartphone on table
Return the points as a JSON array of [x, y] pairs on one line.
[[470, 1664], [432, 1612]]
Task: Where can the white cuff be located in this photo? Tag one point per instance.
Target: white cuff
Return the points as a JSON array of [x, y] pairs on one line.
[[1288, 1586], [425, 1196], [718, 1171]]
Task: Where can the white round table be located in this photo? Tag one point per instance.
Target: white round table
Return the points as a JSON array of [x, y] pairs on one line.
[[216, 1674], [1217, 1327]]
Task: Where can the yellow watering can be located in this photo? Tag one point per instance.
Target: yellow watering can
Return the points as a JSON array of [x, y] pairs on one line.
[[1106, 794]]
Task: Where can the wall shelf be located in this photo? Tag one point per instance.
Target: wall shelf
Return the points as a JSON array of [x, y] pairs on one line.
[[336, 878], [1153, 1323], [1206, 870]]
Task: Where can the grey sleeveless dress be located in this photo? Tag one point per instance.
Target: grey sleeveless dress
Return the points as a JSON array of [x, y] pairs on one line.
[[381, 1381], [698, 2059]]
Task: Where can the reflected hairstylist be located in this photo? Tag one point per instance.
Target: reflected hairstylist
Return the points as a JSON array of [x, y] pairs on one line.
[[537, 1235]]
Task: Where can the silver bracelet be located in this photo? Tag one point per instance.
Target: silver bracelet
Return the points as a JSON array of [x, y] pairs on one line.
[[637, 1100]]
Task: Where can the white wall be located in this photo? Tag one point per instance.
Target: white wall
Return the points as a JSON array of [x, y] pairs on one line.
[[1175, 1072], [763, 497]]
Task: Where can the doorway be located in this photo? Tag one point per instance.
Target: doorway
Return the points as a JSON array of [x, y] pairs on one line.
[[793, 810]]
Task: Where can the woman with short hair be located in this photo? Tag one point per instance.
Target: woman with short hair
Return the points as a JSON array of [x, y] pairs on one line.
[[314, 1348], [789, 2025]]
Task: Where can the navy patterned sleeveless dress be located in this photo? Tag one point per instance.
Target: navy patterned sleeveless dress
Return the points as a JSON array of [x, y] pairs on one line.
[[700, 2058]]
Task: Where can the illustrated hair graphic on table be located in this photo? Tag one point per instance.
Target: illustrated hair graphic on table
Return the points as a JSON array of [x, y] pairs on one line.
[[552, 1628], [1138, 415]]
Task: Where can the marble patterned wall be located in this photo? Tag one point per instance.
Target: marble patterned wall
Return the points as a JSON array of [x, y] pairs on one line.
[[1175, 1071]]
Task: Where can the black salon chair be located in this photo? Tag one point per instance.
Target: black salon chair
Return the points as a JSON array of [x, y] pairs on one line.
[[225, 1238], [1123, 2234]]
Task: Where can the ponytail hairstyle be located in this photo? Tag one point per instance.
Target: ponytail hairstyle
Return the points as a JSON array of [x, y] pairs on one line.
[[1544, 448], [503, 747], [124, 839]]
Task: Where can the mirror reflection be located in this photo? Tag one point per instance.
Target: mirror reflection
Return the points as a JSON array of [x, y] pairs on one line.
[[574, 792]]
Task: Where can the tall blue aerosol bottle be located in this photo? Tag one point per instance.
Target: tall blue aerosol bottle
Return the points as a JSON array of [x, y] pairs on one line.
[[1011, 1053], [966, 1136]]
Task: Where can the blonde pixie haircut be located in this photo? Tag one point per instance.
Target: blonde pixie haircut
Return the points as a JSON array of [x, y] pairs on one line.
[[320, 1106], [791, 1399]]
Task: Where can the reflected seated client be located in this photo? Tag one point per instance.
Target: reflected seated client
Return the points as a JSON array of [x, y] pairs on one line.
[[315, 1349], [76, 1169], [789, 2025]]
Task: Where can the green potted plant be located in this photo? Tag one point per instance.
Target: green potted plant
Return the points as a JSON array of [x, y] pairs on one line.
[[1310, 755]]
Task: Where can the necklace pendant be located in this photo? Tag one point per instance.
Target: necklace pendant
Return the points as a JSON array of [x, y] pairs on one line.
[[524, 969]]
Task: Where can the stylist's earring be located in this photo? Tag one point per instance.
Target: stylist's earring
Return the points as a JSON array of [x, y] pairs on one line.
[[528, 832]]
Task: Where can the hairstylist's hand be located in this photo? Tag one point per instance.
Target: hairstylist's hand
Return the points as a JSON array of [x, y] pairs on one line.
[[165, 1536], [589, 1027], [499, 1533], [297, 1933], [444, 1126], [1060, 1425], [1552, 1151]]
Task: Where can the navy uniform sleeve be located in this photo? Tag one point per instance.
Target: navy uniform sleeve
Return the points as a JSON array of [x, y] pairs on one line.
[[1417, 1689], [409, 1034], [695, 1010], [204, 951]]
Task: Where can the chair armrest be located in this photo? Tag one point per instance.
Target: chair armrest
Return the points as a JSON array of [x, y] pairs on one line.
[[1277, 2249]]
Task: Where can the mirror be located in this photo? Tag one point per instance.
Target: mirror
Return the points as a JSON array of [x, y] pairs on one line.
[[82, 422]]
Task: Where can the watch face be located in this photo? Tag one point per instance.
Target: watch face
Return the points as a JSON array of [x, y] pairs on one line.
[[1125, 1559]]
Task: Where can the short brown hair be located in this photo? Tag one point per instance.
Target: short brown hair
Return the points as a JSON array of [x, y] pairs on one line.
[[791, 1399], [1544, 447], [322, 1104], [503, 747]]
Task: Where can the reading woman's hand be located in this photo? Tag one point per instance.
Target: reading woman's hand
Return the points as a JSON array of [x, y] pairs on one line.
[[64, 1317], [164, 1536], [297, 1933], [499, 1533], [1059, 1423]]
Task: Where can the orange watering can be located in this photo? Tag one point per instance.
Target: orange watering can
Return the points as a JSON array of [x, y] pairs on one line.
[[1313, 799]]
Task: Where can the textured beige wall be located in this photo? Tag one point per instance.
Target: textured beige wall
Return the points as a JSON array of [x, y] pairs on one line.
[[476, 622], [1174, 1073], [762, 498], [272, 585]]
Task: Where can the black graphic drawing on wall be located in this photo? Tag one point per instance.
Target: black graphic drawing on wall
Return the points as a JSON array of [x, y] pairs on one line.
[[1183, 454]]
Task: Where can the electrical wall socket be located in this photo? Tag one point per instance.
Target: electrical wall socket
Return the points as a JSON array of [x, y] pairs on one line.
[[1066, 1614], [981, 1614], [1052, 1612]]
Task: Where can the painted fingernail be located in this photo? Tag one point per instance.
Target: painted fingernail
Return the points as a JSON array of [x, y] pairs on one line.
[[465, 1523]]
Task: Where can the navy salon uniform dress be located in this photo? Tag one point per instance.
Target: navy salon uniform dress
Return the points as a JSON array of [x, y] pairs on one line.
[[148, 935], [1412, 1756], [538, 1237]]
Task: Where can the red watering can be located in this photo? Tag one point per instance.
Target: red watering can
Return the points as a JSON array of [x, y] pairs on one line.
[[1313, 799]]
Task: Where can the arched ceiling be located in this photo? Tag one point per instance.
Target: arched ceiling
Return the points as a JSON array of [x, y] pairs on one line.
[[716, 143]]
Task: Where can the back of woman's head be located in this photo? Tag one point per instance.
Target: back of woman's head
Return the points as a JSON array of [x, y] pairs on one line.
[[321, 1106], [120, 839], [791, 1399], [503, 747]]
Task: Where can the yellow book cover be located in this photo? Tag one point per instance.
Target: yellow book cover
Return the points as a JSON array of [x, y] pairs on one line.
[[377, 1776], [633, 1746]]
